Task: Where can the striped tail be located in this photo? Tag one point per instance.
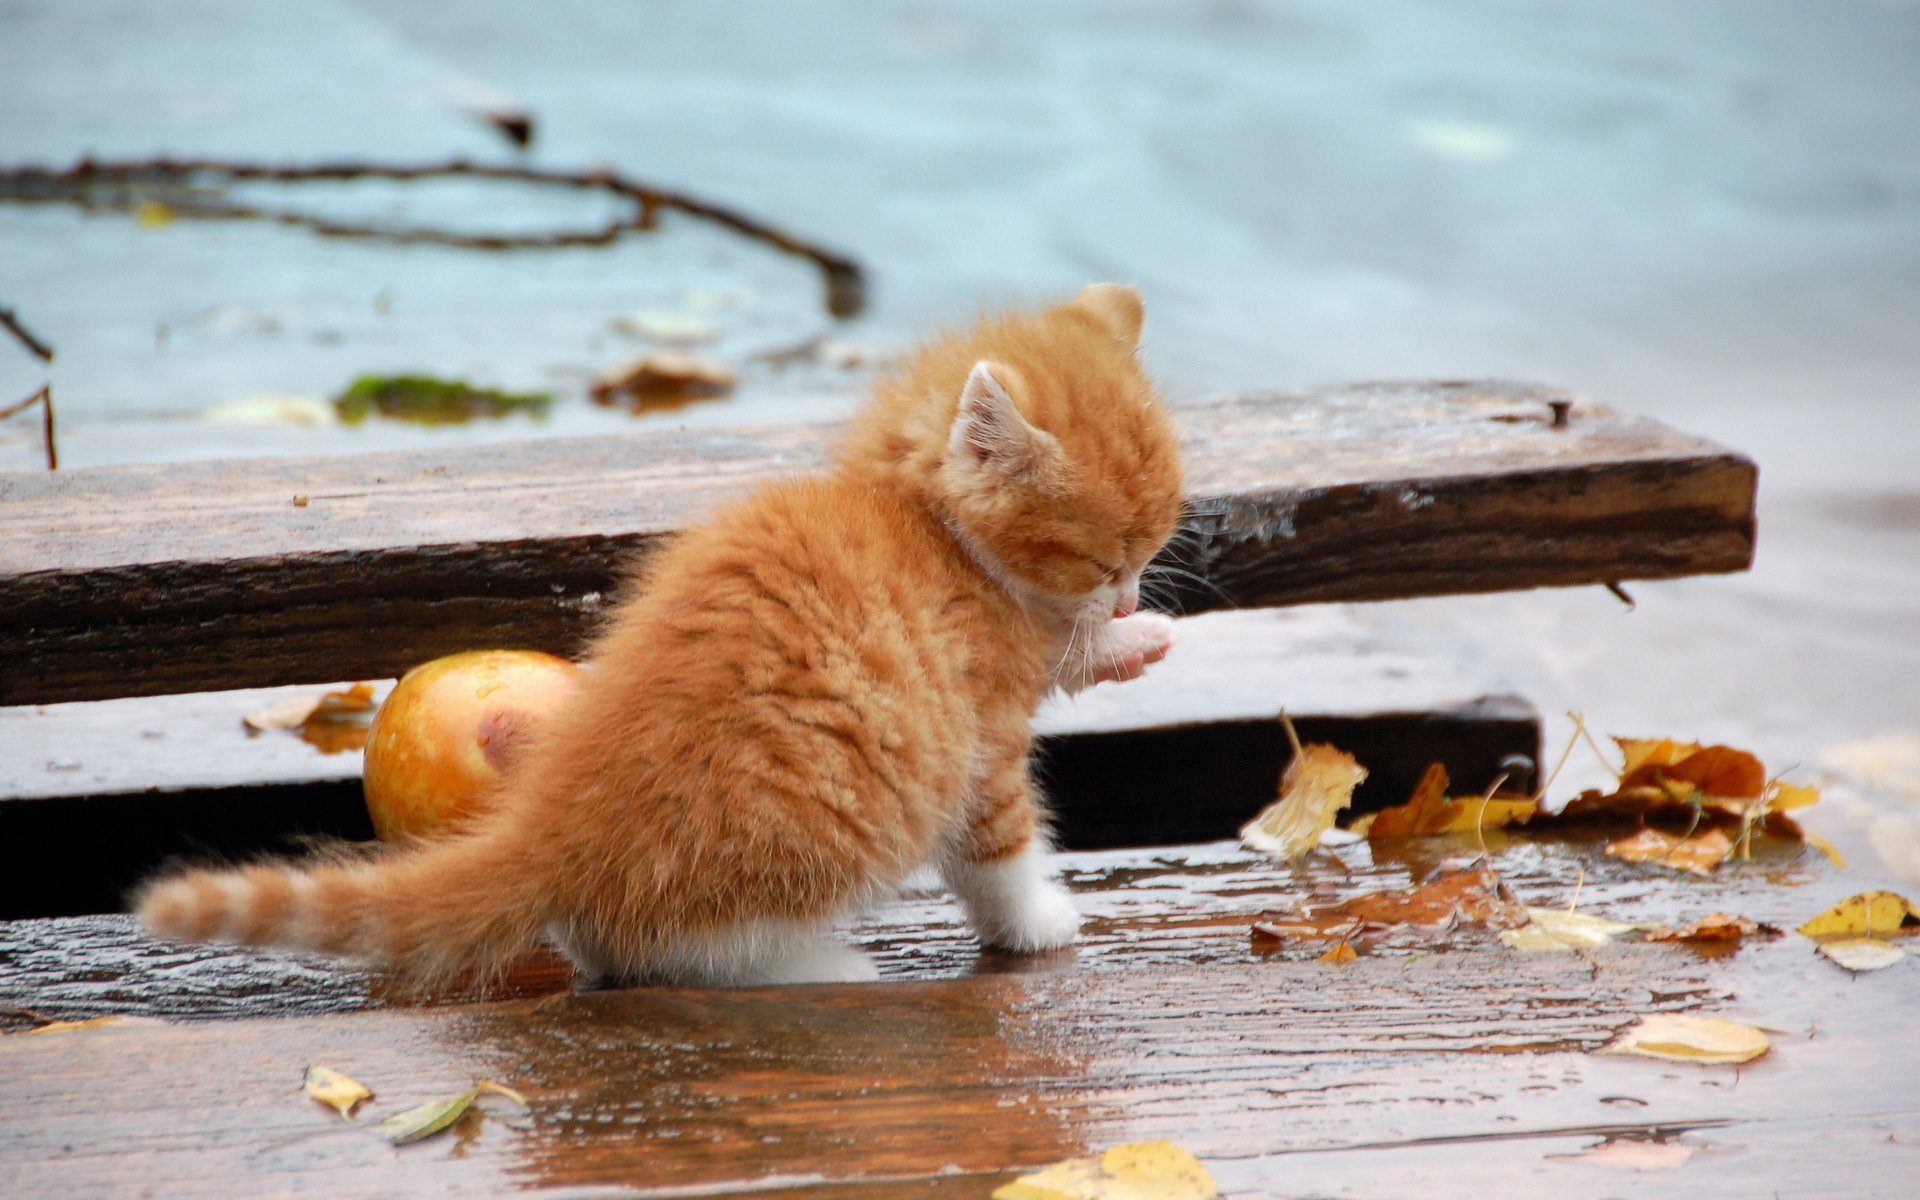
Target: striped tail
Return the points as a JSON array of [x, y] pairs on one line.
[[437, 914]]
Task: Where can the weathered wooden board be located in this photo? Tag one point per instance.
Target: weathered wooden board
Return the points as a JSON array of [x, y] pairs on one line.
[[113, 789], [151, 580], [1438, 1065]]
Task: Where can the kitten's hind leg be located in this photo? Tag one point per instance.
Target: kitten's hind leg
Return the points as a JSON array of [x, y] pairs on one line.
[[822, 958]]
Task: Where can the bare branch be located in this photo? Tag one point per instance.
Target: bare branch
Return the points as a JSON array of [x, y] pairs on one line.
[[191, 188]]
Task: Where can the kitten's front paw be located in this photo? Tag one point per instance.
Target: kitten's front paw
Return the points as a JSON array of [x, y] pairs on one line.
[[1127, 644]]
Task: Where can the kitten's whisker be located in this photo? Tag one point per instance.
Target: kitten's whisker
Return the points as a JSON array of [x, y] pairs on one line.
[[1166, 570]]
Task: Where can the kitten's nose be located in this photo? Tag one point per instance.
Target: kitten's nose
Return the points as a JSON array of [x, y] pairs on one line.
[[1129, 600]]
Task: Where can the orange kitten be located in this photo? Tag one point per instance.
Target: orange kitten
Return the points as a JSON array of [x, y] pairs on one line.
[[822, 689]]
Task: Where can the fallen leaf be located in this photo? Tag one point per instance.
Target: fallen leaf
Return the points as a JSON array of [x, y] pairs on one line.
[[1862, 954], [296, 711], [1449, 897], [425, 1120], [1558, 929], [1135, 1171], [1342, 952], [1631, 1154], [1680, 1037], [70, 1026], [425, 400], [1714, 927], [1864, 915], [1699, 853], [1316, 785], [1428, 811], [663, 379], [151, 214], [1709, 770], [335, 1090]]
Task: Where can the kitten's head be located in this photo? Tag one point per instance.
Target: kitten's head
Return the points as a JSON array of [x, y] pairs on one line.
[[1051, 453]]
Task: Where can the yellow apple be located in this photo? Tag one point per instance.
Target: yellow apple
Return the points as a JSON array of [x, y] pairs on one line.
[[448, 731]]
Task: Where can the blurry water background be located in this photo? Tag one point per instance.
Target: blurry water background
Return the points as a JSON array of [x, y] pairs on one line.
[[1707, 211]]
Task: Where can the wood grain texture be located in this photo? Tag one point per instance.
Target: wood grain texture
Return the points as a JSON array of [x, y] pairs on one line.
[[150, 580], [1439, 1065]]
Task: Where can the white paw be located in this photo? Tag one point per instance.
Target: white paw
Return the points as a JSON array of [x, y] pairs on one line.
[[1045, 920], [1013, 905], [1124, 647]]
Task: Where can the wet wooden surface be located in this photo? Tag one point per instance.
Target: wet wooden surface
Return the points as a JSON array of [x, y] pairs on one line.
[[150, 580], [1438, 1064]]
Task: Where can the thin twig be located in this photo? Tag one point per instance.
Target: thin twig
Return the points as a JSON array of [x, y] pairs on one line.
[[34, 345], [44, 398], [185, 185]]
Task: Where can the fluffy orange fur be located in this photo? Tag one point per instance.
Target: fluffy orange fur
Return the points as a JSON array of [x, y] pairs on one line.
[[820, 690]]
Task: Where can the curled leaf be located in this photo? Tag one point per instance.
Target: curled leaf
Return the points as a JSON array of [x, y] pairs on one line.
[[337, 1091], [1342, 952], [1135, 1171], [1316, 785], [1864, 915], [1558, 929], [1698, 853], [1428, 811], [1714, 927], [425, 1120], [1862, 954], [1680, 1037], [1472, 897]]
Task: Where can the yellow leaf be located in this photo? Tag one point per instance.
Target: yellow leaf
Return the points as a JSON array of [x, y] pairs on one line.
[[1558, 929], [1785, 797], [1342, 952], [70, 1026], [425, 1120], [152, 214], [1136, 1171], [1428, 811], [1316, 785], [1827, 848], [1679, 1037], [1862, 954], [335, 1090], [1863, 916]]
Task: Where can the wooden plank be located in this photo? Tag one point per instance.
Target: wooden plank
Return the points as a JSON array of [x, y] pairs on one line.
[[116, 788], [151, 580], [1440, 1064]]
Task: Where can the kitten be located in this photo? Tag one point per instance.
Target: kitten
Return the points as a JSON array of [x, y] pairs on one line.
[[822, 689]]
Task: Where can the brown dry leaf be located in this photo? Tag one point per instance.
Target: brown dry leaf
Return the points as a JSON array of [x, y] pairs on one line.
[[1316, 785], [1136, 1171], [1428, 811], [337, 1091], [1864, 915], [1682, 1037], [1710, 770], [664, 379], [1448, 897], [1699, 853], [1342, 952], [1714, 927]]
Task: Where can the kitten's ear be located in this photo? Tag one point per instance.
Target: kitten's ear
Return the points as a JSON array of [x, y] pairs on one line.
[[988, 429], [1116, 306]]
